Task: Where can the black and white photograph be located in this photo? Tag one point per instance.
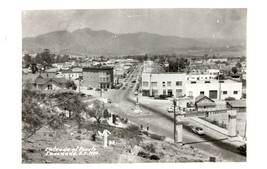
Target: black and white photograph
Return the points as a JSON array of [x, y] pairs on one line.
[[134, 85]]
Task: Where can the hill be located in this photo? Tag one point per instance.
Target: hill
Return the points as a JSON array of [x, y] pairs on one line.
[[89, 42]]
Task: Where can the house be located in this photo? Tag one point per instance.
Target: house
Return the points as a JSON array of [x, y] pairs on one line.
[[44, 81], [203, 103], [50, 83], [239, 105]]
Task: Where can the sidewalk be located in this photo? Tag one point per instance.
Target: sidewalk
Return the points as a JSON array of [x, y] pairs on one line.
[[238, 139], [151, 103]]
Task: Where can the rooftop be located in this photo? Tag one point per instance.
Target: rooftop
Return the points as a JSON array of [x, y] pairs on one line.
[[237, 103], [212, 81]]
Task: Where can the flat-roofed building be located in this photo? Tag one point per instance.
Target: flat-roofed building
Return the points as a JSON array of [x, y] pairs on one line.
[[169, 84], [98, 77], [214, 89]]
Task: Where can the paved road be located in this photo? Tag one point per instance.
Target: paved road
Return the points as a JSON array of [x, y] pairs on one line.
[[162, 123]]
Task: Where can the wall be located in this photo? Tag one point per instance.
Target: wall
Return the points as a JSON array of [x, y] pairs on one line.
[[214, 85], [164, 77]]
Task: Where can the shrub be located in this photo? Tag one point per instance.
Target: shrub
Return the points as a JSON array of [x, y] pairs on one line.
[[157, 137], [145, 133], [154, 157], [143, 154], [150, 148], [134, 129]]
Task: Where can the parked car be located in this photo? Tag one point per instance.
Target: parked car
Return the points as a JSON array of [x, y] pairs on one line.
[[136, 92], [109, 100], [242, 149], [229, 98], [123, 88], [198, 130], [89, 88], [97, 89]]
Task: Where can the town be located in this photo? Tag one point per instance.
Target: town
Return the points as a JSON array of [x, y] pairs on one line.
[[195, 102]]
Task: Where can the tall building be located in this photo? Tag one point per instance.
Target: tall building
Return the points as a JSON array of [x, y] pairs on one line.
[[98, 77]]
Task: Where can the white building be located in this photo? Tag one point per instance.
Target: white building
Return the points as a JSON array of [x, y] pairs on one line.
[[198, 76], [213, 73], [154, 84], [214, 89]]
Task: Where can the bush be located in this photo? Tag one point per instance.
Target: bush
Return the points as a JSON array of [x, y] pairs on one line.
[[154, 157], [150, 148], [215, 122], [145, 133], [157, 137], [143, 154], [134, 129]]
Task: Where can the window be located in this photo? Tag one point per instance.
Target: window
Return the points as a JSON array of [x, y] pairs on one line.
[[235, 92], [145, 84], [224, 92], [193, 82], [202, 92], [154, 84], [163, 84], [207, 81], [179, 83], [164, 91], [169, 83]]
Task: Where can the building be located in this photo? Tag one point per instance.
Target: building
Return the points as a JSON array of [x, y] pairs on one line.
[[203, 103], [98, 77], [169, 84], [70, 74], [213, 73], [50, 83], [239, 105], [214, 89], [44, 81]]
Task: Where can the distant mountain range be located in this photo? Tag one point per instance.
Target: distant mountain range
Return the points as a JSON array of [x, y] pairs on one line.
[[89, 42]]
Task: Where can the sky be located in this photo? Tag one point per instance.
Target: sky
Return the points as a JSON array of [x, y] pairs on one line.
[[192, 23]]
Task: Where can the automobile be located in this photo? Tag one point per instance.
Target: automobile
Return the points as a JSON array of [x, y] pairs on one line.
[[89, 88], [136, 92], [105, 89], [109, 100], [198, 130], [97, 89], [131, 86], [170, 109], [242, 149], [123, 88], [126, 84]]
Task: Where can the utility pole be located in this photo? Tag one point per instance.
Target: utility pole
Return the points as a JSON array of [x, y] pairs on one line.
[[79, 84], [174, 120]]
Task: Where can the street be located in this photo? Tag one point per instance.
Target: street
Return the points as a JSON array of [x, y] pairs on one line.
[[161, 122]]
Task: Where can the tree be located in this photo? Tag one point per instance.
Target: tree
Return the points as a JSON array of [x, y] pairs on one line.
[[36, 112], [27, 59], [97, 110], [73, 104], [238, 65], [34, 68], [234, 70], [45, 58], [71, 84]]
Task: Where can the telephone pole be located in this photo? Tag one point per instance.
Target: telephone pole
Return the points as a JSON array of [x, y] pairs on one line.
[[174, 120]]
